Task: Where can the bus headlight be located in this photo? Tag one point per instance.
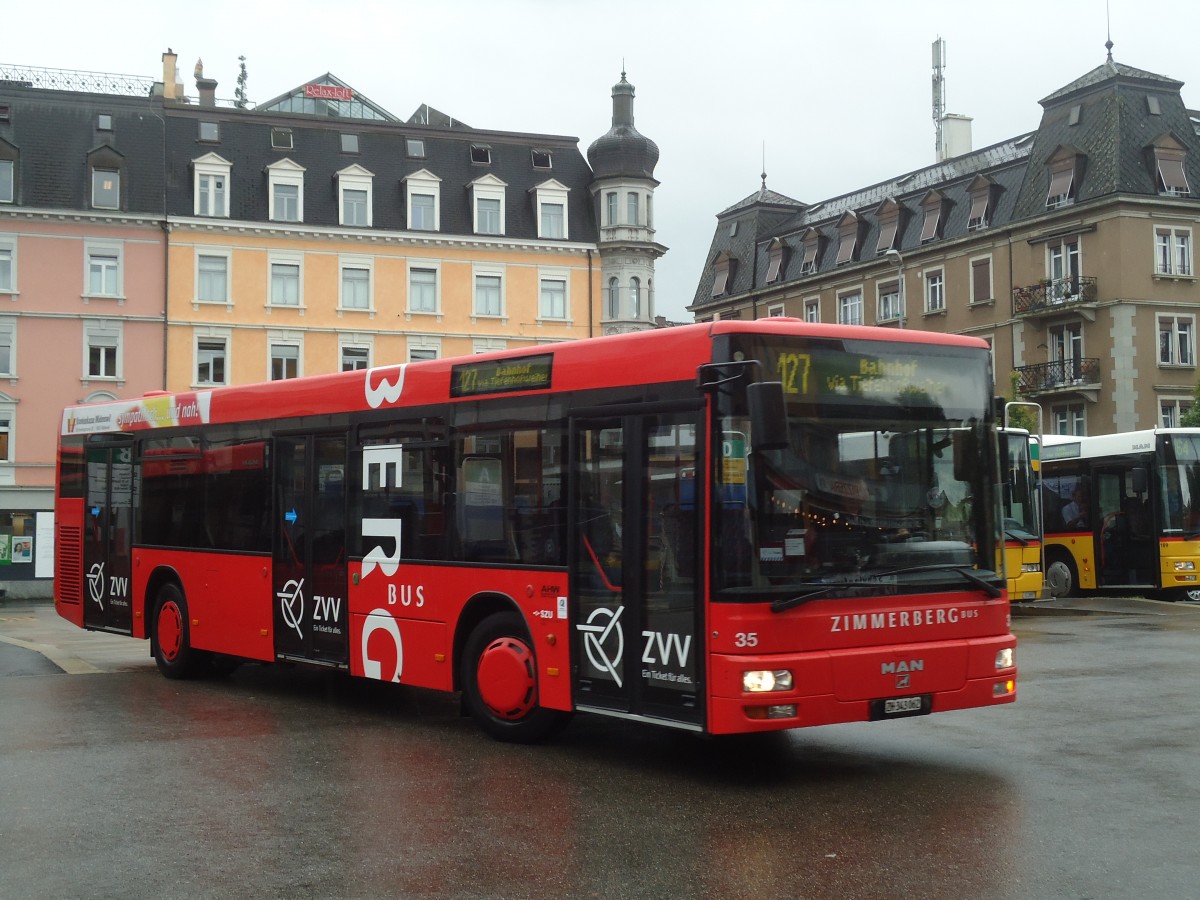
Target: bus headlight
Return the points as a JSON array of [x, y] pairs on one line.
[[1031, 567], [763, 680], [1004, 658], [1185, 565]]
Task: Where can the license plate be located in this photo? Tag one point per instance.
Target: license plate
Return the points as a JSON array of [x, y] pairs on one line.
[[902, 705], [899, 707]]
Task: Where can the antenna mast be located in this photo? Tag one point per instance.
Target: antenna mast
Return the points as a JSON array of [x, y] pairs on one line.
[[939, 96]]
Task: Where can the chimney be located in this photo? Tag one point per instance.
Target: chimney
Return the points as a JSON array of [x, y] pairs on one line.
[[205, 87], [956, 136], [170, 76]]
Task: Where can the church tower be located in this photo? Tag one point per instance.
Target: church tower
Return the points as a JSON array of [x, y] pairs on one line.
[[622, 188]]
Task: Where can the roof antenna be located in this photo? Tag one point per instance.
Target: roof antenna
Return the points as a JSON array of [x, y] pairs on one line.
[[764, 171], [1108, 21]]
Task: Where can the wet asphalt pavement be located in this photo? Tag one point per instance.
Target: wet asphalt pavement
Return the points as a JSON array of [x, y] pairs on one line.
[[281, 781]]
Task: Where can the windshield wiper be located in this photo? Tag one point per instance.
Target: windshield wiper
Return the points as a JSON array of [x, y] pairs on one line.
[[819, 588], [1016, 537], [969, 574]]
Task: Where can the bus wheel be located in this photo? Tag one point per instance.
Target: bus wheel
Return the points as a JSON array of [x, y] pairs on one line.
[[499, 681], [1061, 578], [171, 636]]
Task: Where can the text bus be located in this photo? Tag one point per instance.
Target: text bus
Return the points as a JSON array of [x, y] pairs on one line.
[[1122, 511], [728, 527]]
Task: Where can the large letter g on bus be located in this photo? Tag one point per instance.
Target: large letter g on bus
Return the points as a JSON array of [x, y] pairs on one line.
[[381, 620]]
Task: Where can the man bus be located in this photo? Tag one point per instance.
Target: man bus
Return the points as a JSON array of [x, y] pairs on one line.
[[1122, 512], [1020, 494], [664, 526]]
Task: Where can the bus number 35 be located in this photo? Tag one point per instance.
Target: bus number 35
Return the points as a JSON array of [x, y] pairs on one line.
[[746, 639]]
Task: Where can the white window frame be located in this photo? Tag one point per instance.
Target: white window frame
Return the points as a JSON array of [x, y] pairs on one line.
[[289, 338], [1176, 261], [551, 193], [488, 187], [356, 342], [8, 337], [224, 253], [426, 183], [8, 425], [277, 258], [423, 265], [8, 182], [1172, 409], [356, 178], [547, 274], [8, 246], [106, 250], [812, 309], [848, 301], [633, 208], [775, 309], [884, 311], [285, 173], [488, 345], [224, 336], [423, 344], [1181, 346], [612, 202], [360, 263], [991, 278], [116, 173], [1069, 419], [210, 165], [478, 272], [935, 290], [108, 334]]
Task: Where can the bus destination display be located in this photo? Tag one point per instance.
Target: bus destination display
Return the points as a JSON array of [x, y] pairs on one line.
[[498, 376]]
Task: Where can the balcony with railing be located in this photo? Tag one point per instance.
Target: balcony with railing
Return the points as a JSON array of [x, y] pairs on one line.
[[1060, 376], [1054, 295]]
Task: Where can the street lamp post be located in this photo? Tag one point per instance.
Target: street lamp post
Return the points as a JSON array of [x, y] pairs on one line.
[[895, 257]]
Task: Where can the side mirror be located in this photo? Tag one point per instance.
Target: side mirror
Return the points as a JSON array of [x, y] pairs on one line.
[[1139, 479], [768, 415]]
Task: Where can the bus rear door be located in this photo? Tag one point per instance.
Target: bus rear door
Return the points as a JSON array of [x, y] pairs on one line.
[[108, 536], [637, 635], [311, 618]]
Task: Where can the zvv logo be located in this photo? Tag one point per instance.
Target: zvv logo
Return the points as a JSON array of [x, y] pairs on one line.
[[291, 605], [604, 642], [95, 580]]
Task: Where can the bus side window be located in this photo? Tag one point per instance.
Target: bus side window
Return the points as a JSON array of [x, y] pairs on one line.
[[483, 511]]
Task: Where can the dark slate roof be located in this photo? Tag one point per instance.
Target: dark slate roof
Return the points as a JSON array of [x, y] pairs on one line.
[[623, 150], [1107, 72], [55, 131], [245, 142]]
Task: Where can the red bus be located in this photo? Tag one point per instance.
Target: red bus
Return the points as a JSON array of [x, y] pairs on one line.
[[728, 527]]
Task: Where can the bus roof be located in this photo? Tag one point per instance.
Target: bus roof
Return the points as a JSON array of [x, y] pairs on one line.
[[638, 358], [1065, 446]]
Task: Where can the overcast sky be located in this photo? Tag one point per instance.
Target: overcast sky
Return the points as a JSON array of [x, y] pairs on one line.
[[837, 93]]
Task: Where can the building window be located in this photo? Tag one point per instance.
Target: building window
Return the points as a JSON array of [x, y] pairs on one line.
[[847, 238], [723, 270], [1063, 167], [8, 266], [355, 208], [212, 278], [420, 349], [210, 131], [1066, 349], [980, 191], [551, 218], [487, 216], [889, 224], [935, 291], [103, 350], [8, 344], [611, 201], [1168, 169], [414, 148], [106, 189], [1172, 251], [775, 253], [349, 143], [285, 284], [1172, 411], [541, 159], [1063, 269], [812, 246], [423, 190], [355, 358], [981, 280], [635, 298], [210, 181], [356, 287], [422, 290], [481, 154], [211, 360], [1176, 341], [281, 138], [612, 299], [1069, 420], [355, 196], [104, 275], [488, 293], [632, 208], [552, 298], [7, 189], [931, 209], [487, 202], [850, 308], [286, 182], [812, 310], [285, 361], [889, 301]]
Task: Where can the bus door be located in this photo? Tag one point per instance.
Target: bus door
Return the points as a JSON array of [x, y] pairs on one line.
[[309, 582], [635, 566], [1127, 546], [108, 537]]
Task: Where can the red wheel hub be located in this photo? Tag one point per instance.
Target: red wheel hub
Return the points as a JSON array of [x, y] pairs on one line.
[[506, 678], [169, 630]]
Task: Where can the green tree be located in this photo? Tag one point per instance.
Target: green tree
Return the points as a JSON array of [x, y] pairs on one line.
[[240, 93], [1191, 418], [1020, 416]]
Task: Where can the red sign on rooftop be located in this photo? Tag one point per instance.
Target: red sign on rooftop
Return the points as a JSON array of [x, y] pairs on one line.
[[328, 92]]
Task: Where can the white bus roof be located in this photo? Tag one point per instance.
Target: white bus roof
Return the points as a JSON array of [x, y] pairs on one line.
[[1066, 446]]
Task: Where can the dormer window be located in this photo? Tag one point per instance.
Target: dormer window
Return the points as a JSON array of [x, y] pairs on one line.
[[285, 191], [210, 186], [281, 138], [106, 165], [1065, 171], [889, 223], [1169, 175], [355, 196], [847, 238], [414, 148], [723, 267], [812, 249], [423, 192], [481, 154], [931, 208], [980, 191], [550, 198], [487, 204], [775, 253], [541, 159]]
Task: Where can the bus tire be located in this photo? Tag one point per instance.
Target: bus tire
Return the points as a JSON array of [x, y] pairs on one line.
[[170, 638], [1061, 578], [499, 682]]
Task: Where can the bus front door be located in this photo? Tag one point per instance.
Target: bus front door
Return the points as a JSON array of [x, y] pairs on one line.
[[108, 538], [309, 583], [637, 638]]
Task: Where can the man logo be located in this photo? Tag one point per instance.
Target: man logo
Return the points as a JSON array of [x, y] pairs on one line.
[[903, 681]]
